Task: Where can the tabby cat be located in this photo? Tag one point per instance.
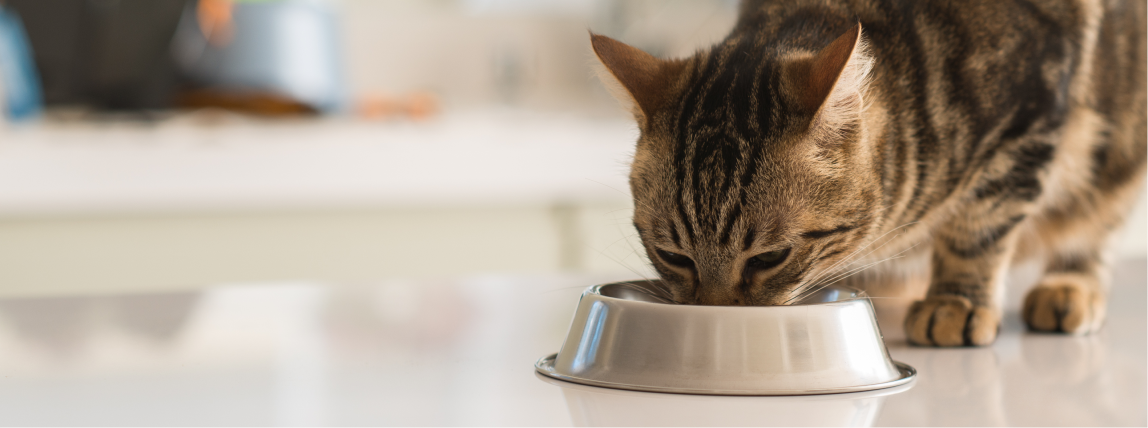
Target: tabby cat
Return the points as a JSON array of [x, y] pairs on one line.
[[822, 134]]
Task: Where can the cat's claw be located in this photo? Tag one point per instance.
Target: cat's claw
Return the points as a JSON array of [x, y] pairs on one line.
[[951, 321], [1063, 306]]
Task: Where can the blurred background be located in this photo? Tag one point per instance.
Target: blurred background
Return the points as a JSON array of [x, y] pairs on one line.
[[302, 211], [172, 144]]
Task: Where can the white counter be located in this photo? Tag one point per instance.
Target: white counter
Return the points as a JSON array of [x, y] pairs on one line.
[[210, 162], [118, 206], [460, 352]]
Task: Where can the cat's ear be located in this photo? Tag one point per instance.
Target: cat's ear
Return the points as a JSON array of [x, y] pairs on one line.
[[832, 83], [639, 80]]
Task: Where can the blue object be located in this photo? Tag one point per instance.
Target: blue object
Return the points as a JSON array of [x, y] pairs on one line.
[[287, 47], [21, 85]]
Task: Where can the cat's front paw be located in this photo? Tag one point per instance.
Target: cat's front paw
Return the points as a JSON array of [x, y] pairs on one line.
[[949, 320], [1065, 305]]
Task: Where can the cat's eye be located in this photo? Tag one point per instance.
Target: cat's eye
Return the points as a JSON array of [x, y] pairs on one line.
[[768, 260], [675, 259]]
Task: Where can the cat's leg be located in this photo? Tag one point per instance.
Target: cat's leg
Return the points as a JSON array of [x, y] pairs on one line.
[[974, 247], [1081, 213], [973, 250], [1071, 297], [971, 255], [1077, 233]]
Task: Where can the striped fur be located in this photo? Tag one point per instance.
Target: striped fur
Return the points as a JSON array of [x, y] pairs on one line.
[[848, 132]]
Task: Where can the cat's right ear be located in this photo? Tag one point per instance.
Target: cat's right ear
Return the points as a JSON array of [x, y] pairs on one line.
[[831, 84], [637, 79]]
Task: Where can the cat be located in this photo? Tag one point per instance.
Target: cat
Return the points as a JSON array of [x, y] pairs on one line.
[[821, 134]]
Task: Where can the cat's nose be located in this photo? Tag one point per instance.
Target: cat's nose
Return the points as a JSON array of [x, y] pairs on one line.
[[720, 294], [720, 297], [720, 290]]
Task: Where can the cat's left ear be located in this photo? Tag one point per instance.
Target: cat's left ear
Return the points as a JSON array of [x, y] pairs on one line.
[[832, 83], [637, 79]]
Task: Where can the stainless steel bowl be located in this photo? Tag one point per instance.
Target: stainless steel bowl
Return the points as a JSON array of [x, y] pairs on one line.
[[629, 335]]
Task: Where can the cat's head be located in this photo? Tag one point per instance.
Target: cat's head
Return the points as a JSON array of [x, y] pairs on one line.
[[752, 174]]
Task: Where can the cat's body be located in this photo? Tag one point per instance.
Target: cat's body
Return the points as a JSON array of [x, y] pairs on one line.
[[979, 131]]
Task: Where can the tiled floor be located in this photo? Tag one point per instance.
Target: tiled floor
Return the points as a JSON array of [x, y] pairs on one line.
[[460, 352]]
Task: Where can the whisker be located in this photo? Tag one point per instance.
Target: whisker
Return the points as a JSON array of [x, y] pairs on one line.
[[821, 285], [624, 238], [839, 277], [871, 242], [815, 283], [834, 269], [561, 289], [634, 251], [619, 262], [619, 191], [875, 249], [852, 272], [835, 279]]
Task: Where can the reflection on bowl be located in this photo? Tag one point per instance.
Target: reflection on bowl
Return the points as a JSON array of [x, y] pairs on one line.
[[593, 406], [629, 335]]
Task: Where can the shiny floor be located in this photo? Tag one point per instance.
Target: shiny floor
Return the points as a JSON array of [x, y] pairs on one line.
[[460, 352]]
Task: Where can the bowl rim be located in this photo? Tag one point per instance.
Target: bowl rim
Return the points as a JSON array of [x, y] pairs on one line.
[[545, 366], [892, 390], [596, 290]]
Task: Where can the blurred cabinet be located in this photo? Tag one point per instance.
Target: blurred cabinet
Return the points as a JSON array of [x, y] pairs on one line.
[[191, 201]]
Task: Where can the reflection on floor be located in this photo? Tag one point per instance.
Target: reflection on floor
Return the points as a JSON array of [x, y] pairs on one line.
[[590, 406], [1030, 378], [459, 352], [61, 325]]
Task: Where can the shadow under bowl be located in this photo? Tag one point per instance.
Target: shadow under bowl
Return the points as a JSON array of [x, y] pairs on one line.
[[630, 335]]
